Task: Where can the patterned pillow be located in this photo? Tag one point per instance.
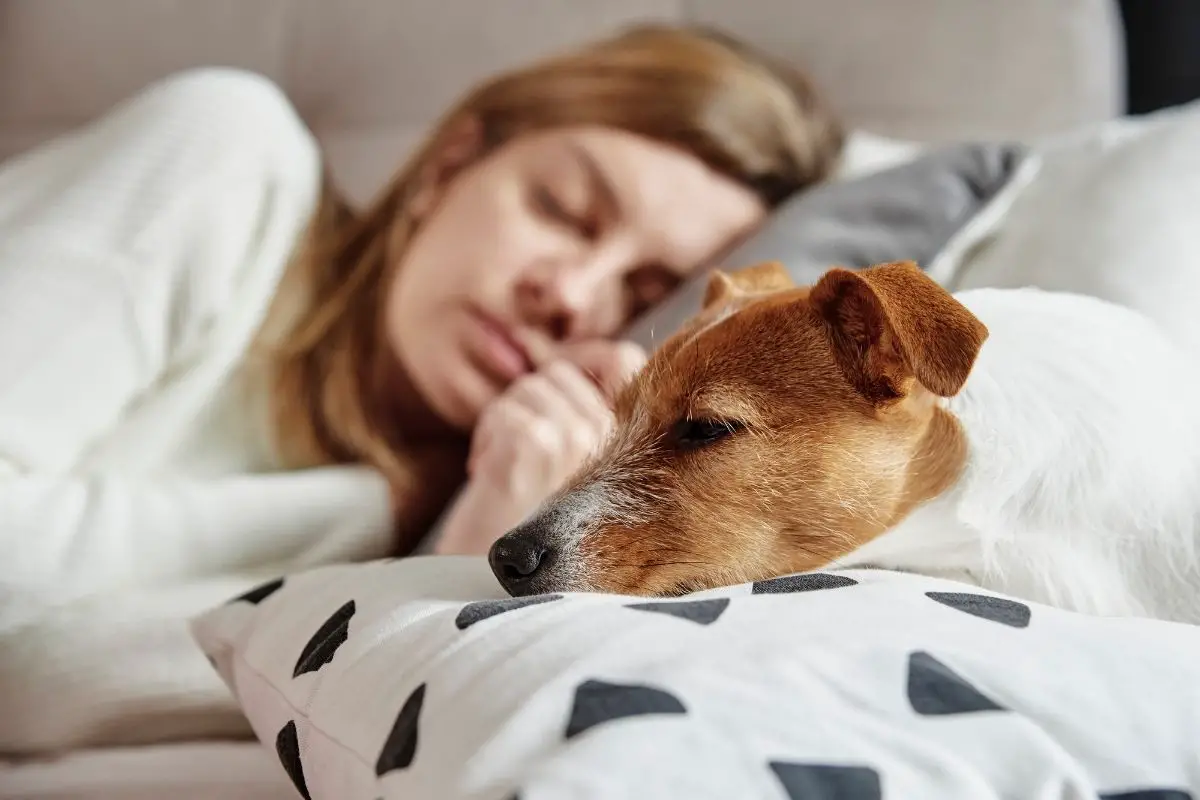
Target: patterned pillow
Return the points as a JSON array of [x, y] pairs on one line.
[[418, 678]]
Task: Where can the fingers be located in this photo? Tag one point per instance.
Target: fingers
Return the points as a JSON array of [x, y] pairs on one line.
[[548, 392], [627, 360], [481, 438], [610, 364], [543, 427], [526, 453], [577, 389], [560, 397]]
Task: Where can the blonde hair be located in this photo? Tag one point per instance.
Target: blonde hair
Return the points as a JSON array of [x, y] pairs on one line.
[[745, 115]]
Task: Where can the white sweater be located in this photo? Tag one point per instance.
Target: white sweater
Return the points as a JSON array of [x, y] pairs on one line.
[[138, 484]]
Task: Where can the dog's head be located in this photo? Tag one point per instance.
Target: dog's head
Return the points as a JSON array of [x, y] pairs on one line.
[[781, 429]]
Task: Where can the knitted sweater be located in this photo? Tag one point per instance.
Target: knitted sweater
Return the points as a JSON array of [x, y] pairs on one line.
[[138, 483]]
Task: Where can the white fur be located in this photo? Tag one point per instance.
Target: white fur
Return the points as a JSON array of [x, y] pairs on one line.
[[1082, 487]]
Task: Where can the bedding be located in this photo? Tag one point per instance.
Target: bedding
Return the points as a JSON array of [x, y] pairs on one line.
[[1110, 211], [202, 770], [419, 678]]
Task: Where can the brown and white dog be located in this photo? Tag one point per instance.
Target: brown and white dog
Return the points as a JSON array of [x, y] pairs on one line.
[[1041, 444]]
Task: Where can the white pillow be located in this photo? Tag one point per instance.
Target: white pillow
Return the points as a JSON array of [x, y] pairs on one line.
[[417, 679], [865, 153], [1112, 210]]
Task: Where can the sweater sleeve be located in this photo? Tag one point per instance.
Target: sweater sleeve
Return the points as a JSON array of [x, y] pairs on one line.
[[72, 360], [98, 531], [124, 250]]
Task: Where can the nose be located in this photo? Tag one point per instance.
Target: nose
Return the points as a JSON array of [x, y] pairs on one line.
[[565, 299], [516, 559]]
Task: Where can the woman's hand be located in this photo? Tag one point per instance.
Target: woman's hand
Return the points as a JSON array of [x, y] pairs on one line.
[[533, 437]]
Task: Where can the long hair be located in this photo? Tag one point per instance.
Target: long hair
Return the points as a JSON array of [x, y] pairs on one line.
[[745, 115]]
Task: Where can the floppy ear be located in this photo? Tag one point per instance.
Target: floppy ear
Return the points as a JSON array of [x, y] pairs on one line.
[[891, 324], [720, 289], [769, 276]]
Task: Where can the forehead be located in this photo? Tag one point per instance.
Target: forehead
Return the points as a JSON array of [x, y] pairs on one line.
[[679, 208], [745, 352]]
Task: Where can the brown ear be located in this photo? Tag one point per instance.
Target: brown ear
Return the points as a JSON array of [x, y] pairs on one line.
[[769, 276], [892, 323], [720, 289]]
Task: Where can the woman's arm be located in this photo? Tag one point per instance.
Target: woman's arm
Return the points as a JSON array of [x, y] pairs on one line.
[[95, 532], [136, 258], [74, 356]]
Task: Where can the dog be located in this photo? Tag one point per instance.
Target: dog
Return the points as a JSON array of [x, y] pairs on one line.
[[1040, 444]]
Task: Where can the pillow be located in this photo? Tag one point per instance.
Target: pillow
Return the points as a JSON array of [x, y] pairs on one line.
[[864, 153], [417, 678], [908, 211], [1111, 212]]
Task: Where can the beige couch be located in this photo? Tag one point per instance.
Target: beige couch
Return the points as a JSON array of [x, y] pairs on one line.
[[369, 75]]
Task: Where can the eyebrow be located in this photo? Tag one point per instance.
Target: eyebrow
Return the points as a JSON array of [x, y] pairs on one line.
[[608, 194]]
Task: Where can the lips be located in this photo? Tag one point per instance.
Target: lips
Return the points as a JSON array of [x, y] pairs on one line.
[[497, 349]]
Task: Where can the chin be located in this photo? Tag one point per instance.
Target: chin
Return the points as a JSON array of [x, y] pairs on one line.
[[467, 392]]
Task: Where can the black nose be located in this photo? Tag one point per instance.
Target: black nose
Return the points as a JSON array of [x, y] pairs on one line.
[[515, 559]]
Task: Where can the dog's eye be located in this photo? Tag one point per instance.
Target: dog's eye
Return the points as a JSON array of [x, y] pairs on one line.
[[690, 434]]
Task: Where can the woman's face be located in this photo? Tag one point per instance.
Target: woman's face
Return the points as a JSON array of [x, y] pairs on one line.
[[556, 238]]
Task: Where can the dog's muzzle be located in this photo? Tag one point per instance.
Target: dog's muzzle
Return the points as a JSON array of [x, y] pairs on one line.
[[536, 556]]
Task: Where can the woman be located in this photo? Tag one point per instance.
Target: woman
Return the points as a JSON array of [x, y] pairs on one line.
[[211, 369]]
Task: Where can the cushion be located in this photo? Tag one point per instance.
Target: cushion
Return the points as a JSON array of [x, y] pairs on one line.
[[864, 152], [417, 678], [909, 211], [1110, 211]]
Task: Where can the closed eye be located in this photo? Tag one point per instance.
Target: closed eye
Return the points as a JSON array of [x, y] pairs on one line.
[[550, 206], [692, 434], [648, 286]]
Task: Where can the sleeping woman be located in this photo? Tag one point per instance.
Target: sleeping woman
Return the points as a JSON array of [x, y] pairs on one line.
[[213, 369]]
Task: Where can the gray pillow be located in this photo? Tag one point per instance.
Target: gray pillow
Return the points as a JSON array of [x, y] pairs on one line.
[[908, 212]]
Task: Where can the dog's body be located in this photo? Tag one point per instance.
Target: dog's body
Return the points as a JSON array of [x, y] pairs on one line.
[[1082, 484], [1044, 445]]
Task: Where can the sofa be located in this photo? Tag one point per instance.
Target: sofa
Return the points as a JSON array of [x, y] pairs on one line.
[[370, 75]]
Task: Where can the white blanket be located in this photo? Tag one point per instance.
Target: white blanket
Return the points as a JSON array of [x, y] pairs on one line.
[[187, 771], [393, 680]]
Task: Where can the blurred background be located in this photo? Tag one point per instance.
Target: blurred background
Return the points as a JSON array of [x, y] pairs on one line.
[[370, 75]]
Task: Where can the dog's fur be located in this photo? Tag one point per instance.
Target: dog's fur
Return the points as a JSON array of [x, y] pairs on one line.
[[1041, 444]]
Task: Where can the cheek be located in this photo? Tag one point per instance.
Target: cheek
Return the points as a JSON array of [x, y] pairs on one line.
[[398, 322], [663, 540], [865, 466], [765, 507], [630, 537], [471, 235], [732, 533], [412, 326]]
